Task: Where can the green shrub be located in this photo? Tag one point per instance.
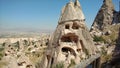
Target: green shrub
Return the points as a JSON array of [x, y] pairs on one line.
[[59, 65], [86, 51], [3, 44], [29, 49], [98, 39], [72, 63], [1, 49], [1, 55], [103, 51]]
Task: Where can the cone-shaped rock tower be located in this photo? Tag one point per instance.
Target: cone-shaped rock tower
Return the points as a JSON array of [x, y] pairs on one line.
[[105, 16], [71, 41], [106, 24]]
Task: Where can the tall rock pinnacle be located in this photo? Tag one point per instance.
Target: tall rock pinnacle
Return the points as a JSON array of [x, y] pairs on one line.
[[77, 3], [108, 3], [106, 23], [104, 17], [72, 11], [71, 39]]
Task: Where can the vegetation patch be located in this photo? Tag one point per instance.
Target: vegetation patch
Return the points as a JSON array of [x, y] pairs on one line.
[[1, 53], [98, 39], [59, 65], [72, 63]]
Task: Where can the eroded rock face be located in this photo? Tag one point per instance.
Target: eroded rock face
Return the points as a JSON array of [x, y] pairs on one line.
[[71, 42], [106, 24], [105, 17], [106, 27]]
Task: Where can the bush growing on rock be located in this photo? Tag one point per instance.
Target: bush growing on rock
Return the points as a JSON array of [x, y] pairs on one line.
[[98, 39]]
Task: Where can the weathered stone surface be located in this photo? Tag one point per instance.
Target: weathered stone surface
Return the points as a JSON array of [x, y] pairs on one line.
[[106, 27], [72, 11], [105, 18], [106, 23], [71, 41]]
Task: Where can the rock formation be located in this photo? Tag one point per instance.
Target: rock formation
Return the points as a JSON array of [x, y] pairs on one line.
[[71, 41], [106, 23], [105, 17], [104, 30]]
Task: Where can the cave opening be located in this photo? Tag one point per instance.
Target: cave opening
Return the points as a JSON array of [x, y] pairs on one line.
[[67, 50], [75, 26], [70, 37], [67, 26]]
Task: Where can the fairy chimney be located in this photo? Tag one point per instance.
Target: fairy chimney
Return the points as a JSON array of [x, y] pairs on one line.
[[104, 17], [71, 39]]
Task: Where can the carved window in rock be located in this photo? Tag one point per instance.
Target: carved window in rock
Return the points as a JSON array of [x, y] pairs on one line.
[[21, 63], [29, 66], [9, 45], [11, 48], [70, 37], [79, 50], [6, 54], [66, 50], [67, 26], [66, 39], [75, 26]]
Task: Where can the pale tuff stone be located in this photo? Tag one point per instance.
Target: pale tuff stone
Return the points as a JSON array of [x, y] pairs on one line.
[[71, 41], [106, 17]]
